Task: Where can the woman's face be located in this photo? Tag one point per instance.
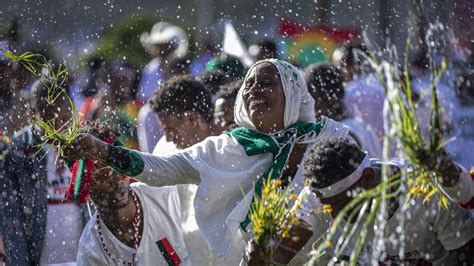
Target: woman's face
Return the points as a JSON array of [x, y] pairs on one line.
[[264, 98]]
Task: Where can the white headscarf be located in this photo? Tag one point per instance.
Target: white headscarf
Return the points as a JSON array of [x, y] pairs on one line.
[[299, 105]]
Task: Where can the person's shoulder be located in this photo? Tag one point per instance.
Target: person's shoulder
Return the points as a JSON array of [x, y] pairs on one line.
[[164, 147], [159, 200], [219, 143], [151, 66]]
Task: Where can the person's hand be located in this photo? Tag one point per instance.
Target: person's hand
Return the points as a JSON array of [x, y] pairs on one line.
[[447, 168], [254, 254], [83, 145]]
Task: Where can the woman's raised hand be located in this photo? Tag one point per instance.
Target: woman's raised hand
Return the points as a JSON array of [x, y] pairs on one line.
[[83, 145]]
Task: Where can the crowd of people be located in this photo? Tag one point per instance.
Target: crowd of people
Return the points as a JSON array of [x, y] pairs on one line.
[[176, 152]]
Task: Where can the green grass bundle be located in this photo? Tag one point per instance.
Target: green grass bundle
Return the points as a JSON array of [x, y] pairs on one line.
[[425, 155], [42, 69], [420, 180], [271, 216]]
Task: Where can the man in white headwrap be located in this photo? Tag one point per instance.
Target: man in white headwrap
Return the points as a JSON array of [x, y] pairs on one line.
[[276, 115]]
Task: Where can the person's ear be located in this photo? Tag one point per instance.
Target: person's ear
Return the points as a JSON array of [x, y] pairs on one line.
[[196, 119]]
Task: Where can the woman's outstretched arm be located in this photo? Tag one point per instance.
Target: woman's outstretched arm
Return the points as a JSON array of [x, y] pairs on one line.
[[154, 170]]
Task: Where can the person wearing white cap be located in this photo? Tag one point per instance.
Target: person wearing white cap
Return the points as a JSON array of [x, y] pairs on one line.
[[335, 169], [164, 42]]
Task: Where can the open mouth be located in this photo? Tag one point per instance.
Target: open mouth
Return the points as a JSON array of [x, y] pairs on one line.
[[254, 103]]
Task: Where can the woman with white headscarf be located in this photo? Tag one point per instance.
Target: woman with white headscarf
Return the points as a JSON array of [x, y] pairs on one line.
[[276, 115]]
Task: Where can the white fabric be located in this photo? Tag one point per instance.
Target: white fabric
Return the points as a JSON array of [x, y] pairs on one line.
[[161, 219], [224, 174], [299, 105], [163, 32], [461, 147], [364, 97], [447, 98], [365, 136], [310, 212], [151, 80], [164, 147], [345, 183], [64, 221], [234, 46], [198, 249]]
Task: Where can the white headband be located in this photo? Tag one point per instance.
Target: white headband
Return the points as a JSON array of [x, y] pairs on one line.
[[343, 184]]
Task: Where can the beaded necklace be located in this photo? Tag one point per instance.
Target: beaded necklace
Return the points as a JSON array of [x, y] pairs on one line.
[[136, 234]]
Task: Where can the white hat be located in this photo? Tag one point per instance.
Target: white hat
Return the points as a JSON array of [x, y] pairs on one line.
[[163, 32]]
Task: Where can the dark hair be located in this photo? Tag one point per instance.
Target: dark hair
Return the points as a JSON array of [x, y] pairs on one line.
[[353, 53], [213, 80], [331, 160], [324, 81], [230, 90], [268, 46], [182, 94]]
